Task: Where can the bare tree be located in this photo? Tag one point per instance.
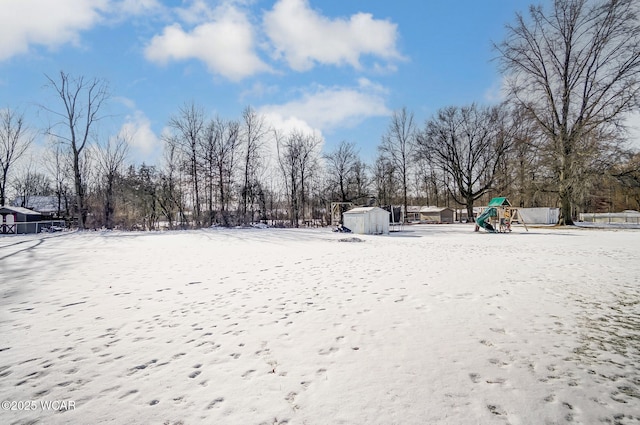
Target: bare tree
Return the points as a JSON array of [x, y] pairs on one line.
[[466, 144], [82, 102], [209, 141], [428, 182], [385, 181], [575, 69], [254, 132], [147, 177], [525, 162], [110, 158], [627, 174], [307, 165], [189, 129], [398, 146], [361, 181], [288, 152], [56, 161], [297, 157], [221, 145], [30, 182], [276, 188], [170, 196], [14, 142], [341, 168]]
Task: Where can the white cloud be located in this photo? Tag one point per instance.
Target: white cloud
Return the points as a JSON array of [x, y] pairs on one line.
[[198, 12], [289, 124], [284, 126], [366, 84], [45, 22], [326, 109], [329, 108], [137, 7], [498, 92], [224, 43], [129, 103], [258, 90], [303, 37], [24, 23], [143, 141]]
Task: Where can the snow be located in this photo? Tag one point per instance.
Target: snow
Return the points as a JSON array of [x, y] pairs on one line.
[[435, 324]]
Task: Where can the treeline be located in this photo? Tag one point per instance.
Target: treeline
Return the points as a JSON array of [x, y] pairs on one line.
[[571, 80], [241, 171]]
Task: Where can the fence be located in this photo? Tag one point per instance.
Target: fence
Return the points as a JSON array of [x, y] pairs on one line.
[[23, 227], [629, 217]]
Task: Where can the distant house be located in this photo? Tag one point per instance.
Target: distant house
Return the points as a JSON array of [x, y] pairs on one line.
[[413, 213], [436, 215], [421, 214], [18, 220], [367, 220]]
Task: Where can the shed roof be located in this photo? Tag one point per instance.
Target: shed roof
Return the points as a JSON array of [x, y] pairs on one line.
[[433, 209], [19, 210], [42, 204], [364, 210]]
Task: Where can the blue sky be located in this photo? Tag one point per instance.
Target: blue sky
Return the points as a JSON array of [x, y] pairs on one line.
[[338, 67]]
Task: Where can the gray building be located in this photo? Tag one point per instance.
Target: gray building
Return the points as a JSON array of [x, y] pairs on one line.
[[436, 215], [18, 220]]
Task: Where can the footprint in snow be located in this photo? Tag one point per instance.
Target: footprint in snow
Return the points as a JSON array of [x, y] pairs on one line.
[[248, 373], [215, 402], [496, 410]]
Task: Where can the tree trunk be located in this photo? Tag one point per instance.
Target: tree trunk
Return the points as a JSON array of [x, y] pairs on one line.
[[108, 208], [565, 209], [196, 187], [404, 196], [470, 217], [566, 190], [79, 190], [245, 188], [2, 188], [223, 212]]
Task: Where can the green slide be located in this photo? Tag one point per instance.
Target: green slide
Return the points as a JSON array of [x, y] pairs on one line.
[[481, 221]]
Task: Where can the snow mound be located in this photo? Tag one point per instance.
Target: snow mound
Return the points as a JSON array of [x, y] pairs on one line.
[[352, 239]]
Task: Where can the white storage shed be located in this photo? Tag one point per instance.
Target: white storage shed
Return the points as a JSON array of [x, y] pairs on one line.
[[367, 220]]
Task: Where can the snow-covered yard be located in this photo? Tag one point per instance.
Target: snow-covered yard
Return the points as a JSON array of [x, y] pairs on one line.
[[432, 325]]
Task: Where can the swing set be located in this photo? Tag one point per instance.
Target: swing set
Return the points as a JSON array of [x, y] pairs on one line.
[[498, 216]]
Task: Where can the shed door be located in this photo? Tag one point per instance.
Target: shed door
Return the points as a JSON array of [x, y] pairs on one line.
[[10, 226], [360, 224]]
